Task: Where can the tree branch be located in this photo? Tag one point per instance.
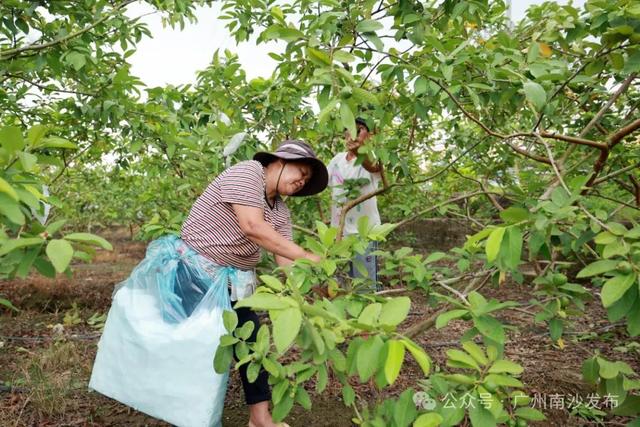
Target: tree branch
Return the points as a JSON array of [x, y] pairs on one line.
[[304, 230], [622, 132], [614, 174], [596, 194], [10, 53], [48, 89], [636, 186], [432, 208], [527, 153], [428, 323], [623, 87], [348, 206], [571, 139]]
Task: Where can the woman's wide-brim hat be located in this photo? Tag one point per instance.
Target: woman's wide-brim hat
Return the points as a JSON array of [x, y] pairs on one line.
[[300, 151]]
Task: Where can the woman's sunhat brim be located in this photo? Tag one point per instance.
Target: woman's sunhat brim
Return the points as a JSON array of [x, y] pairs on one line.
[[319, 174]]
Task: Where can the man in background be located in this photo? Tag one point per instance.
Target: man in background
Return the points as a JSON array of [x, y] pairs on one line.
[[349, 181]]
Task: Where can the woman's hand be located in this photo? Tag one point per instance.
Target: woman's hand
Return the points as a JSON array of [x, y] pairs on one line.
[[312, 257]]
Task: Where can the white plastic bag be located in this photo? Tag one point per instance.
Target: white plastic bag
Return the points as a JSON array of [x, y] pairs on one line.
[[153, 358], [164, 370]]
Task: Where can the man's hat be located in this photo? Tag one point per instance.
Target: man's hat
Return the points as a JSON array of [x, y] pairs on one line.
[[363, 122], [296, 150]]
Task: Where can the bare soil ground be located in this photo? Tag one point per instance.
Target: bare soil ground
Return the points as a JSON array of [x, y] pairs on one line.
[[47, 351]]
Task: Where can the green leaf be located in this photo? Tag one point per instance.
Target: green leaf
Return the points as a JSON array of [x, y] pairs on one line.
[[44, 267], [472, 240], [598, 267], [253, 370], [368, 357], [262, 301], [75, 59], [480, 416], [476, 352], [605, 238], [504, 380], [514, 214], [11, 209], [328, 237], [419, 355], [286, 326], [493, 243], [591, 370], [60, 253], [443, 319], [394, 311], [533, 52], [633, 319], [608, 370], [434, 256], [319, 57], [7, 303], [343, 56], [405, 410], [420, 86], [634, 233], [490, 327], [89, 238], [271, 367], [28, 161], [616, 287], [35, 134], [477, 301], [617, 248], [6, 188], [54, 227], [327, 110], [290, 34], [282, 408], [514, 247], [230, 320], [463, 358], [617, 228], [370, 314], [11, 139], [530, 414], [368, 26], [460, 379], [272, 282], [393, 364], [279, 390], [377, 43], [322, 379], [621, 308], [348, 395], [535, 94], [222, 359], [556, 326], [501, 366], [347, 118], [302, 397], [365, 97], [428, 420], [27, 262], [56, 142]]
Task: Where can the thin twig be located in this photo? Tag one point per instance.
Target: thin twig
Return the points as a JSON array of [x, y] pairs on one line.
[[623, 87], [614, 174], [10, 53]]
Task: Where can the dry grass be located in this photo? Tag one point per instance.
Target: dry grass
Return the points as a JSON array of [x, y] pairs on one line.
[[50, 377]]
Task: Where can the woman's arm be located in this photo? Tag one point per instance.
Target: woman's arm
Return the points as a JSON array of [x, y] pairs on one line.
[[260, 232], [282, 261]]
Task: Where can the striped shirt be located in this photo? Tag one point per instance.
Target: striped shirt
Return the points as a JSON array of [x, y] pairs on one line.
[[212, 227]]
